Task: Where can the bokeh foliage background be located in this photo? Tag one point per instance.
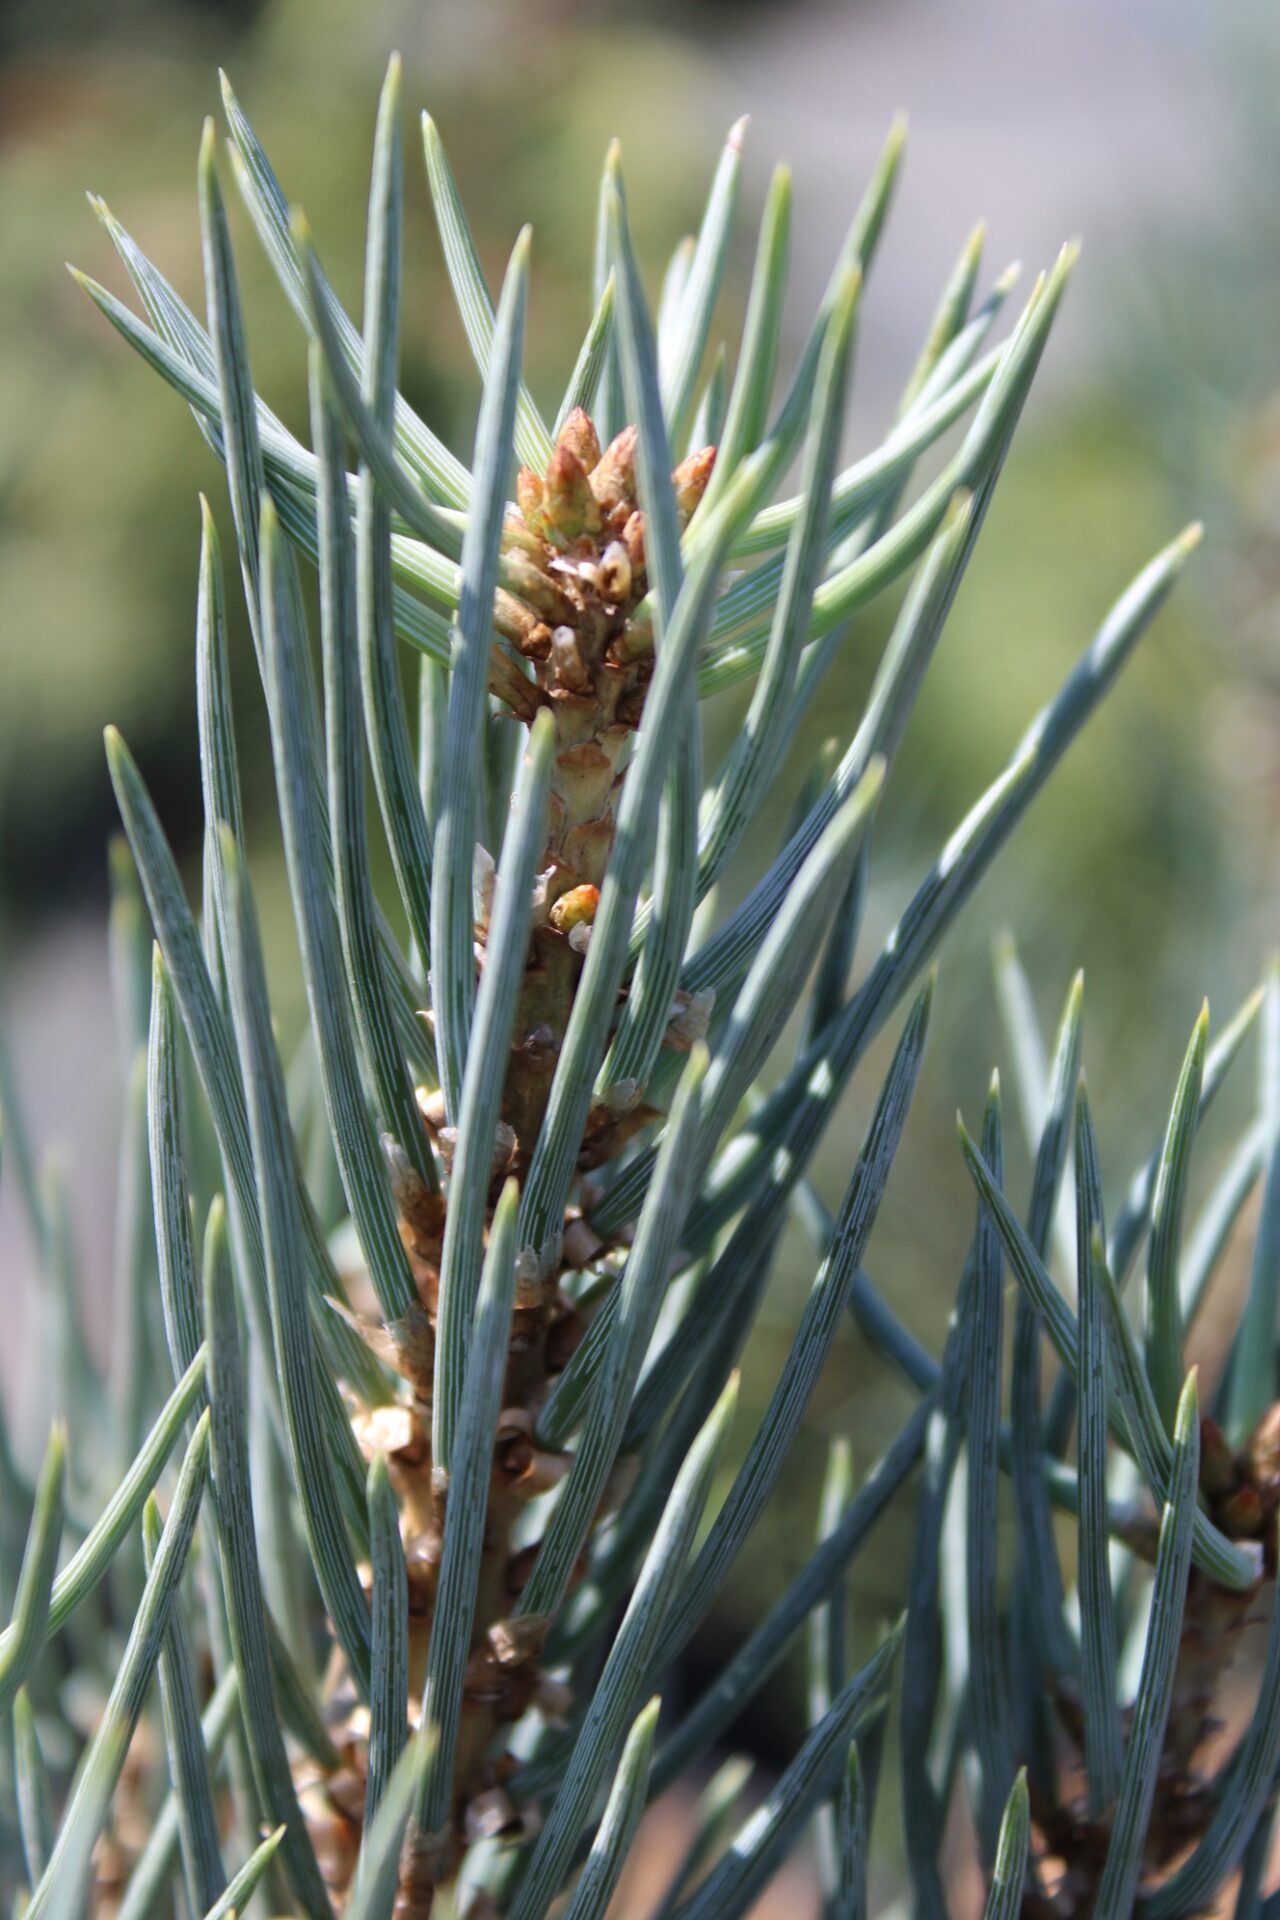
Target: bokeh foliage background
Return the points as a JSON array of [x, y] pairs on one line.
[[1151, 861]]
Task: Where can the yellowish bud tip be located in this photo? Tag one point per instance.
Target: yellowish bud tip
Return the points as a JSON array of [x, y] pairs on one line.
[[869, 787], [959, 508]]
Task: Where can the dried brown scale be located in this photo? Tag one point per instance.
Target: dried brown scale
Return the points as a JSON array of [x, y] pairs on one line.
[[572, 578], [1241, 1490], [415, 1896]]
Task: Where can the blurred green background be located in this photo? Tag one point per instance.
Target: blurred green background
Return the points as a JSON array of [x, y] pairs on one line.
[[1151, 861]]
